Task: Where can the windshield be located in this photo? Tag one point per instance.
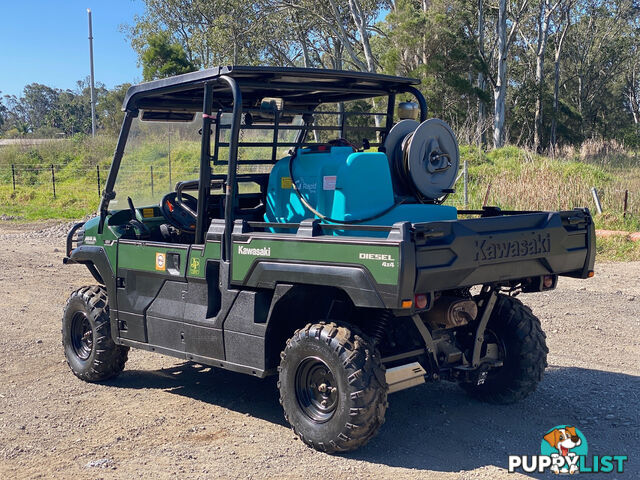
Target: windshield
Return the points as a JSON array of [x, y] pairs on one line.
[[156, 157]]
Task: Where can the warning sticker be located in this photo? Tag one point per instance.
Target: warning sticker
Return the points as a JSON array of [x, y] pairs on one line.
[[147, 212], [285, 183], [161, 263], [329, 182]]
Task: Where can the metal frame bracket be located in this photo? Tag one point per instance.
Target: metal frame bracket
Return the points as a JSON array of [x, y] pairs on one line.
[[489, 302]]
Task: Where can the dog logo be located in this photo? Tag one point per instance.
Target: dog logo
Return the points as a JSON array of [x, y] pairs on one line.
[[564, 444]]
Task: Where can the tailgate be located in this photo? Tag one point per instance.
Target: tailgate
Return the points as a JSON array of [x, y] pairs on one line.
[[507, 247]]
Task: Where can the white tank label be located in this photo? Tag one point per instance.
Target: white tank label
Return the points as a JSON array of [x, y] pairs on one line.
[[329, 182]]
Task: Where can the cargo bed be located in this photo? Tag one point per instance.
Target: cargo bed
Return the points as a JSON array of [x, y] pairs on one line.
[[507, 246]]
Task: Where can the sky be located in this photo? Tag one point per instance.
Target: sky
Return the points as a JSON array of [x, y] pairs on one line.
[[47, 42]]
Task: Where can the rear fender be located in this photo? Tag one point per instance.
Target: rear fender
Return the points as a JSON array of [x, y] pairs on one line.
[[356, 282]]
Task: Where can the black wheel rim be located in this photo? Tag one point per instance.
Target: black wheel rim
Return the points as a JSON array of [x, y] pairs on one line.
[[81, 335], [316, 390]]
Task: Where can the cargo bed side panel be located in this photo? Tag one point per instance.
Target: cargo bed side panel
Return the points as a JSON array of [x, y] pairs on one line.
[[484, 250]]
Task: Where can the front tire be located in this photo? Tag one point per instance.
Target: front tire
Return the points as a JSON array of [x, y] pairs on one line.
[[332, 387], [91, 353], [524, 354]]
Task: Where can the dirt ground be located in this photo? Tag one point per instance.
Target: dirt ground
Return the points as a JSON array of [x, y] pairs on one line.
[[164, 418]]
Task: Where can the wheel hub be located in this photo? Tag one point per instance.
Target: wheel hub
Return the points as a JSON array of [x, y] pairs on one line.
[[81, 335], [316, 390]]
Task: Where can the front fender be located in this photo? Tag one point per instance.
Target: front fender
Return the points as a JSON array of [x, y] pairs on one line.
[[97, 261]]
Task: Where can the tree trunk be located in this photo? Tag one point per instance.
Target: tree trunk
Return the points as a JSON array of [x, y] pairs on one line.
[[632, 93], [482, 108], [305, 50], [500, 88], [341, 33], [556, 78], [358, 19], [302, 38], [580, 83], [543, 34], [556, 94]]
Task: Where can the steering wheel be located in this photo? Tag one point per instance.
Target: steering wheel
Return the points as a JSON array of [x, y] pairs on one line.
[[179, 209]]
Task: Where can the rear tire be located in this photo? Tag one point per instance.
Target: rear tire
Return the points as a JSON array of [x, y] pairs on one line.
[[332, 387], [91, 353], [524, 348]]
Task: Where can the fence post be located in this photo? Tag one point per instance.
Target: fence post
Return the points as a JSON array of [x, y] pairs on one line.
[[486, 195], [169, 156], [98, 172], [53, 180], [624, 206], [466, 184], [596, 199], [13, 175], [151, 168]]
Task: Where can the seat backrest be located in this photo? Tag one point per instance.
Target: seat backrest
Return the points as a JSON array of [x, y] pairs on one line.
[[315, 175]]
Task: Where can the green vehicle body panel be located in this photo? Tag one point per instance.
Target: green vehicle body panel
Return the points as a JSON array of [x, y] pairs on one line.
[[380, 260], [144, 257], [196, 266]]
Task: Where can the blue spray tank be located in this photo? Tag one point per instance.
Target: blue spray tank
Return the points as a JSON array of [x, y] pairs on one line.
[[338, 185]]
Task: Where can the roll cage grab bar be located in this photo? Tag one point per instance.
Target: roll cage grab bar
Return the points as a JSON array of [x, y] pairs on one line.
[[205, 155]]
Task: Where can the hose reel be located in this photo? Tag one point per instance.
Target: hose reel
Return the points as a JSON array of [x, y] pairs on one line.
[[423, 157]]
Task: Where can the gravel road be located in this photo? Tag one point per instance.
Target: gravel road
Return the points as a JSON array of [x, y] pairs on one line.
[[164, 418]]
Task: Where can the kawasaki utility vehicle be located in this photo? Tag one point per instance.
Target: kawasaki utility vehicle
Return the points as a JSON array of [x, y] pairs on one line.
[[291, 222]]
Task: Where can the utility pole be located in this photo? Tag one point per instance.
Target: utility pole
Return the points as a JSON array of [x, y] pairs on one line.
[[93, 97]]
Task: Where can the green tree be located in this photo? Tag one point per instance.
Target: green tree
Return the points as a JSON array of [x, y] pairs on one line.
[[599, 48], [163, 57], [72, 111], [432, 41], [3, 115], [38, 101], [16, 115], [109, 108], [332, 34]]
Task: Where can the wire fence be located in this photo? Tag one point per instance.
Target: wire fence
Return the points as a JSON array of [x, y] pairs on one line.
[[54, 178], [152, 181]]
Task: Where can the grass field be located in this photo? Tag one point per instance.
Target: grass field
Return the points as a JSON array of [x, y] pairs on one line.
[[515, 178]]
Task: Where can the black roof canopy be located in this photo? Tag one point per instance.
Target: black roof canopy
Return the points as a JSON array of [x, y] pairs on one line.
[[298, 87]]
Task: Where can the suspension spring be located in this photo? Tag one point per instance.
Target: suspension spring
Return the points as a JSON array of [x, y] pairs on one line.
[[379, 327]]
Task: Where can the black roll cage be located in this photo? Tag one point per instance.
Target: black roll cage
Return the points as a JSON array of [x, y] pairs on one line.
[[236, 110]]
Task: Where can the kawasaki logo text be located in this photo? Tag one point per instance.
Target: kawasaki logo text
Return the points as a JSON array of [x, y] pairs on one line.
[[488, 250], [262, 252]]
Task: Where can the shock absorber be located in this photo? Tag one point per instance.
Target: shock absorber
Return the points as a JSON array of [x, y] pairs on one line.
[[379, 325]]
